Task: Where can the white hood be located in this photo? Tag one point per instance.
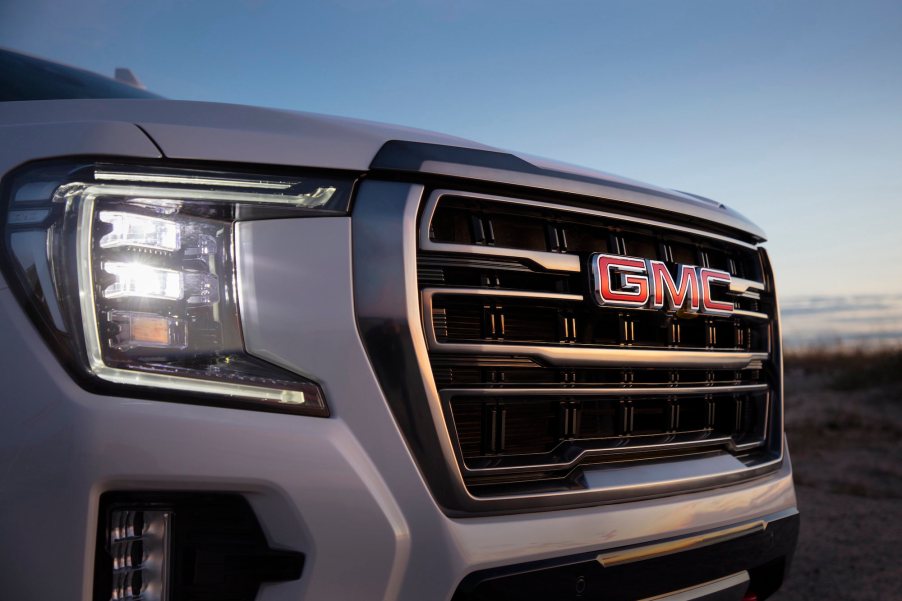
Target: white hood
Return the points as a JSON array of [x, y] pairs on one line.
[[214, 132]]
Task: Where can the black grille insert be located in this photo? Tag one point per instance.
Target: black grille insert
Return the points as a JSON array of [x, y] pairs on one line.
[[552, 428]]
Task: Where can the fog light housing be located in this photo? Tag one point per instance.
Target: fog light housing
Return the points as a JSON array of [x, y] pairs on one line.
[[138, 543], [184, 546]]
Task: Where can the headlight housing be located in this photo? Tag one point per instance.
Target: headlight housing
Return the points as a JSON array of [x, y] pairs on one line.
[[131, 273]]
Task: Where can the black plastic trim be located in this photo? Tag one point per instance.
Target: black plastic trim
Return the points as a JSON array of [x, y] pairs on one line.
[[399, 155]]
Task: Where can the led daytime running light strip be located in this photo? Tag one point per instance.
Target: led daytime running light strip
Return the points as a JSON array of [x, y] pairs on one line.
[[312, 200], [198, 181], [174, 194]]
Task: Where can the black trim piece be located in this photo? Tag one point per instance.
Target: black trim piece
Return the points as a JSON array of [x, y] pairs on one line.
[[765, 554], [399, 155]]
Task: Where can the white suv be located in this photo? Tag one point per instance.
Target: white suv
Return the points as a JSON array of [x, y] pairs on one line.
[[260, 354]]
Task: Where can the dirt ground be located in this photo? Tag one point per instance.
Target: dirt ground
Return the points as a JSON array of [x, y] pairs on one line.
[[845, 435]]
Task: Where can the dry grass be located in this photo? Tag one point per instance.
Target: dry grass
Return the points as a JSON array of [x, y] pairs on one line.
[[844, 427], [850, 369]]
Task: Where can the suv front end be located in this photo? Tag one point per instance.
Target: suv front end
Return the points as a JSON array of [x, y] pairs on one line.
[[264, 355]]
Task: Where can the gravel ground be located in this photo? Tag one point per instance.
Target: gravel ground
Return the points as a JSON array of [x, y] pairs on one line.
[[846, 442]]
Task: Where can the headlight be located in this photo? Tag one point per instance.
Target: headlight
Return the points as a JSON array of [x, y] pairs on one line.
[[130, 272]]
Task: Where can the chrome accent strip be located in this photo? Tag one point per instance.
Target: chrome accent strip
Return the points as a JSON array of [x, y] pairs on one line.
[[571, 356], [695, 541], [678, 545], [548, 260], [722, 441], [776, 433], [750, 314], [431, 292], [642, 479], [448, 393], [741, 286], [727, 588]]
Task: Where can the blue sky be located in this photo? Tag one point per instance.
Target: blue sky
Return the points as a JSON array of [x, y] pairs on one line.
[[791, 112]]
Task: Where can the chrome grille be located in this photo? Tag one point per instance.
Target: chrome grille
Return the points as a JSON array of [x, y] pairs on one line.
[[536, 380]]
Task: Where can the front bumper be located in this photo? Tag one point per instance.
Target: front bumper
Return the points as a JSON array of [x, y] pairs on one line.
[[722, 564], [345, 491]]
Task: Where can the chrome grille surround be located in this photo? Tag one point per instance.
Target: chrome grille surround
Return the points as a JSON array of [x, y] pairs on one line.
[[571, 473]]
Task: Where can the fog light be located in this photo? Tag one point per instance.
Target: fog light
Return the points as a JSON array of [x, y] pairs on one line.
[[139, 547], [184, 546]]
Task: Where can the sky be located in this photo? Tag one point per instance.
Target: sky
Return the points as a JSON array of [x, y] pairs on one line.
[[788, 111]]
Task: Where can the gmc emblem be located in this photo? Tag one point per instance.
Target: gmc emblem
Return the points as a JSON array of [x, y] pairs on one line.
[[619, 281]]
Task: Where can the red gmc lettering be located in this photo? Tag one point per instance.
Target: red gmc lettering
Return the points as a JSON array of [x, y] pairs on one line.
[[633, 285], [670, 295], [636, 283], [709, 305]]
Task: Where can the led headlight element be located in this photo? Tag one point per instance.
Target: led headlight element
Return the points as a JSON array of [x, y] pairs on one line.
[[143, 281], [137, 275], [140, 231]]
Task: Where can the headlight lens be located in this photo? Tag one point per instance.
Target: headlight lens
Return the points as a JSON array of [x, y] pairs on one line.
[[132, 274]]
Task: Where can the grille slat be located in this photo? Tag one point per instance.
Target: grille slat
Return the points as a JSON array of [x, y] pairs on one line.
[[535, 378]]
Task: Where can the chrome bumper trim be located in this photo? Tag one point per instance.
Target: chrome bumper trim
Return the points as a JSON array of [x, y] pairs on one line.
[[687, 543]]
